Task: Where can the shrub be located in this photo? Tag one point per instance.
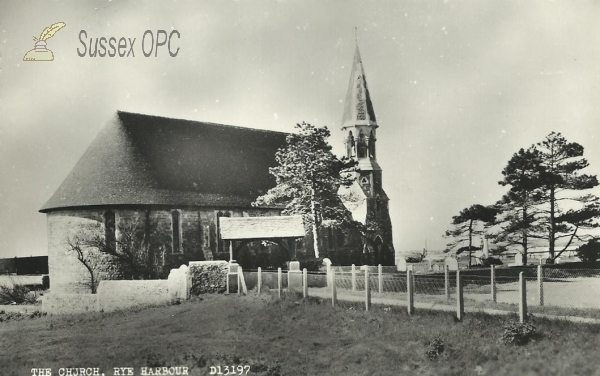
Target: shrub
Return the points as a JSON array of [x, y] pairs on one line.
[[491, 261], [435, 348], [16, 294], [590, 251], [518, 333], [311, 265], [16, 316], [208, 277]]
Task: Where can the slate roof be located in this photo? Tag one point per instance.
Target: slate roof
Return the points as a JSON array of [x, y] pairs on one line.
[[358, 108], [261, 227], [151, 160]]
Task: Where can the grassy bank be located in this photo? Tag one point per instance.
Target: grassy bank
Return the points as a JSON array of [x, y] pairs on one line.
[[293, 336]]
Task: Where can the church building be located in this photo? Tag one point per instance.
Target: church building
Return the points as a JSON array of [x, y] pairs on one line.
[[165, 183], [366, 198]]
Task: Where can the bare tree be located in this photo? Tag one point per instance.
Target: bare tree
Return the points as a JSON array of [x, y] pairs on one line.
[[77, 244], [138, 252]]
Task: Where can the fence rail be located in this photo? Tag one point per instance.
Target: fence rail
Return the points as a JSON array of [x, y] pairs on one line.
[[575, 291]]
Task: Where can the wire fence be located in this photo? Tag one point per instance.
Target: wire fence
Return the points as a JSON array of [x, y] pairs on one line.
[[555, 291]]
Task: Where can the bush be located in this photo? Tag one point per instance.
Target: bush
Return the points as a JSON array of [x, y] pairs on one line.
[[491, 261], [16, 294], [16, 316], [435, 348], [518, 333], [311, 265], [208, 277], [590, 251]]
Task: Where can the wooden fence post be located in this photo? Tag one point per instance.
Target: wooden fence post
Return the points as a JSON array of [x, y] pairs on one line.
[[333, 289], [304, 283], [523, 298], [259, 282], [353, 277], [460, 302], [447, 281], [239, 282], [380, 279], [367, 290], [410, 292], [328, 275], [279, 282], [540, 275], [493, 282]]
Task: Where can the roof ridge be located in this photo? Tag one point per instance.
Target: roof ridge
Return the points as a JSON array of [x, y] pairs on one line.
[[201, 122]]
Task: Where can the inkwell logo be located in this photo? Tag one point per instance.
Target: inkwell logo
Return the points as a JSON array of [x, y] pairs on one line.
[[40, 52]]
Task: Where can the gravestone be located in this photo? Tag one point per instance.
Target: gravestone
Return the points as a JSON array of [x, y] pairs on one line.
[[173, 285], [294, 276], [179, 283], [232, 277], [518, 259], [401, 264], [452, 263], [186, 282]]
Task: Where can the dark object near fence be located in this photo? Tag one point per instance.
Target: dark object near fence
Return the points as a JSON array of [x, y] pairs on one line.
[[312, 265], [435, 348], [590, 251], [518, 333], [491, 261]]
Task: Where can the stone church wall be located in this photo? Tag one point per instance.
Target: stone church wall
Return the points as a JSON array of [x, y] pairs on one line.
[[66, 272], [198, 239]]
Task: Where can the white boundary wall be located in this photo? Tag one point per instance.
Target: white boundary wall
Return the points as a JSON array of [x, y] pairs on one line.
[[121, 294]]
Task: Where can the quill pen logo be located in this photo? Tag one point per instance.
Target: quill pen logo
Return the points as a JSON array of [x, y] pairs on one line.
[[40, 52]]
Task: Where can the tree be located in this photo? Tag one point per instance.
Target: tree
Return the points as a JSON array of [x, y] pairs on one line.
[[542, 202], [590, 251], [308, 177], [467, 224], [77, 244], [561, 163], [518, 215], [138, 252]]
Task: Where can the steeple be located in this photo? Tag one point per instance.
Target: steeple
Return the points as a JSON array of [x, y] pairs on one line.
[[358, 109], [365, 198], [360, 127]]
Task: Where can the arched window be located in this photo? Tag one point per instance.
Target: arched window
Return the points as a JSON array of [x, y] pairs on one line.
[[372, 145], [361, 145], [110, 229], [176, 225], [350, 145]]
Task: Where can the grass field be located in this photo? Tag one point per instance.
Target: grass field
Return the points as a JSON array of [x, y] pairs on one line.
[[294, 337]]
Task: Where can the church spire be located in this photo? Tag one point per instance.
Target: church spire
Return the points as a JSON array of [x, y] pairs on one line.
[[359, 122], [358, 109]]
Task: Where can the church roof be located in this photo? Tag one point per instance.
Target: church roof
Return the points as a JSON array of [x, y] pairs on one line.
[[261, 227], [151, 160], [358, 109]]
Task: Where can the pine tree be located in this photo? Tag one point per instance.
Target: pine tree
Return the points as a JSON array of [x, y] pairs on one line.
[[519, 218], [543, 201], [308, 177], [468, 224], [561, 162]]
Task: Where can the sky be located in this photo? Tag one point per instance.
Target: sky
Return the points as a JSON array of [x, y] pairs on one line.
[[458, 87]]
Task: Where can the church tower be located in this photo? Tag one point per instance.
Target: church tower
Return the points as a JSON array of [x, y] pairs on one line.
[[359, 125]]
